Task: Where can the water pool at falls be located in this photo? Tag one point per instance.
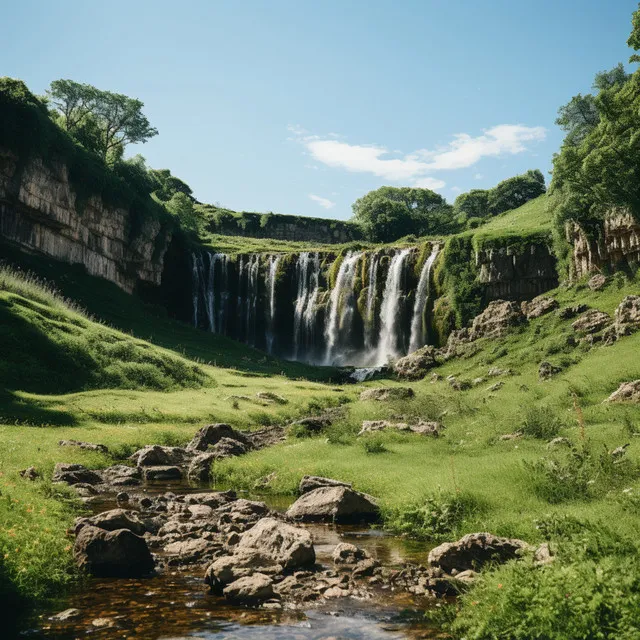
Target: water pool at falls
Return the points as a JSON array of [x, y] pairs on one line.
[[362, 308]]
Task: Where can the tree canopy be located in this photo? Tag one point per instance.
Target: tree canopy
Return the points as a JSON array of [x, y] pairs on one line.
[[102, 121]]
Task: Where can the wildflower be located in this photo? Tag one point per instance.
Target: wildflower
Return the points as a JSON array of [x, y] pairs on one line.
[[500, 585]]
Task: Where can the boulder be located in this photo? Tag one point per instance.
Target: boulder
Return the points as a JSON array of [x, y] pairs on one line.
[[120, 553], [346, 553], [571, 312], [416, 365], [250, 590], [121, 475], [211, 434], [334, 504], [387, 393], [547, 370], [200, 467], [369, 426], [113, 520], [626, 320], [191, 550], [75, 474], [269, 396], [426, 428], [154, 455], [309, 483], [475, 550], [240, 564], [538, 307], [313, 424], [162, 473], [88, 446], [213, 499], [281, 543], [227, 448], [591, 322], [596, 282], [626, 392], [30, 473]]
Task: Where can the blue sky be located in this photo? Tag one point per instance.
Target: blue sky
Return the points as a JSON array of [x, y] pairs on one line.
[[301, 107]]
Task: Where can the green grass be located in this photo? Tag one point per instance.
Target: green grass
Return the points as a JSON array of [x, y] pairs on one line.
[[531, 218]]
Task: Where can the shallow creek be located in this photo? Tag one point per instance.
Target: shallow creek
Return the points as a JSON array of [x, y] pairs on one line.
[[175, 604]]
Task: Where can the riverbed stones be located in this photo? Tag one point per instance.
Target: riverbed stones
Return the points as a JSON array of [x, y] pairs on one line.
[[120, 475], [211, 434], [120, 553], [250, 590], [334, 504], [199, 469], [282, 543], [347, 553], [161, 473], [155, 455], [112, 520], [385, 394], [474, 551], [626, 392], [191, 550], [66, 615], [417, 364], [309, 483], [538, 307], [75, 474]]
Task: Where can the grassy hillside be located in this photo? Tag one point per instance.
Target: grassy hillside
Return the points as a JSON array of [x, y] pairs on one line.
[[531, 218]]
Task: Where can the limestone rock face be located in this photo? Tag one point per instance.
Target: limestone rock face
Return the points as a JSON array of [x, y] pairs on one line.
[[475, 550], [282, 543], [334, 504], [106, 554], [416, 365], [40, 211], [626, 392]]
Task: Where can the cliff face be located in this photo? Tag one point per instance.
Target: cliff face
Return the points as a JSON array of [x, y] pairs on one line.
[[617, 245], [509, 274], [285, 227], [39, 211]]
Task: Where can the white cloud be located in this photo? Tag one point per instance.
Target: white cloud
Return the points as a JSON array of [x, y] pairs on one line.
[[323, 202], [478, 176], [465, 151], [417, 168]]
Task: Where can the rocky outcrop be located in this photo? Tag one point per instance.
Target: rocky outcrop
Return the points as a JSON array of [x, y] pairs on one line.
[[616, 244], [309, 483], [334, 504], [416, 365], [384, 394], [626, 392], [41, 211], [422, 427], [591, 322], [538, 307], [474, 551]]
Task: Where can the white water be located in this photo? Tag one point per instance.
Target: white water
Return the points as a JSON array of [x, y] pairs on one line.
[[341, 305], [418, 337], [387, 344], [307, 278], [369, 321], [271, 288], [252, 270]]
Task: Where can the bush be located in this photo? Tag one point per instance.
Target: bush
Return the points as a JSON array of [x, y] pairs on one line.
[[373, 444], [541, 422], [438, 516]]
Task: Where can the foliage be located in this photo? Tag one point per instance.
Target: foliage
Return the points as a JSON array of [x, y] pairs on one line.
[[541, 422], [389, 213], [438, 516], [165, 185], [373, 444], [103, 121], [181, 206]]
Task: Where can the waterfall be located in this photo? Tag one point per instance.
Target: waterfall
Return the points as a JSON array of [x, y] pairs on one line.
[[271, 288], [369, 321], [307, 281], [253, 268], [388, 342], [341, 305], [224, 293], [195, 287], [422, 297]]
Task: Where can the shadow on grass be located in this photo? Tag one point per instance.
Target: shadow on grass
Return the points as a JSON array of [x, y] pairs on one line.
[[24, 411]]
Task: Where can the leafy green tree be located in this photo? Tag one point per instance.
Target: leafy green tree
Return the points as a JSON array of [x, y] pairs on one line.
[[167, 185], [388, 213], [516, 191], [103, 121], [181, 206], [474, 204]]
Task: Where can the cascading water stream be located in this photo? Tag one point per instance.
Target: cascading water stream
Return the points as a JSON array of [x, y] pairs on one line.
[[388, 341], [341, 305], [271, 288], [417, 339], [253, 268], [369, 321], [195, 287]]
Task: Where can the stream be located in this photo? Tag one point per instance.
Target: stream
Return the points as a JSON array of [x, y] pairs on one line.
[[175, 604]]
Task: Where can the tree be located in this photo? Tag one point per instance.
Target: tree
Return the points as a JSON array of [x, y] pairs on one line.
[[474, 204], [166, 185], [514, 192], [388, 213], [181, 206], [103, 121]]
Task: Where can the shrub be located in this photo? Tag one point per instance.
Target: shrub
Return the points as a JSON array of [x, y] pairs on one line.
[[541, 422], [440, 515], [373, 444]]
